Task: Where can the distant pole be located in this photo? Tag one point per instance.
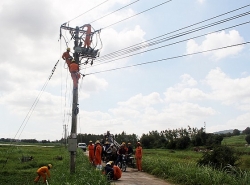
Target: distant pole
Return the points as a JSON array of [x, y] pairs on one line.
[[65, 135], [205, 127], [74, 108]]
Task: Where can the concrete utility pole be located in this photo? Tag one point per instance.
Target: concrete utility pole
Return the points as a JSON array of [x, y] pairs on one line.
[[83, 52], [74, 109]]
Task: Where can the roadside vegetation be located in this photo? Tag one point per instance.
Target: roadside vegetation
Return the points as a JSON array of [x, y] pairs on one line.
[[180, 167], [15, 172], [182, 156]]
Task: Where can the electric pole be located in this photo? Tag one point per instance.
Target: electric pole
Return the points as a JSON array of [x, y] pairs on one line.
[[84, 52], [65, 135]]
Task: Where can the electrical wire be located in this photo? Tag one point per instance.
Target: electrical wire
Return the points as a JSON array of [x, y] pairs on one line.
[[170, 58], [136, 14], [114, 11], [241, 24], [145, 42], [28, 115], [87, 11]]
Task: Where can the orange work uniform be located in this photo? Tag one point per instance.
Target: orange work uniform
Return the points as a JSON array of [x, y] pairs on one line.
[[42, 172], [87, 41], [98, 155], [138, 156], [66, 56], [91, 153], [74, 70], [117, 172]]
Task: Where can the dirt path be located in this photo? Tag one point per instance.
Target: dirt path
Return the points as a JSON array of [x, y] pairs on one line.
[[133, 177]]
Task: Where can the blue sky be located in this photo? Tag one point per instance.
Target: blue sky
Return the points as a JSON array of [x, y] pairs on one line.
[[211, 87]]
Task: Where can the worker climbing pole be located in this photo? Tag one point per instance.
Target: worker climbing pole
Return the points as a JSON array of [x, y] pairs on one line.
[[87, 52]]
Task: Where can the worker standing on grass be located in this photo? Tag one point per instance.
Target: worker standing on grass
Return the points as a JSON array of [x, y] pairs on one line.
[[98, 155], [74, 70], [138, 156], [91, 152], [66, 56], [42, 172]]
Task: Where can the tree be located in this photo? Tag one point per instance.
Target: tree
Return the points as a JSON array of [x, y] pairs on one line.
[[246, 131], [236, 132], [183, 142], [247, 138]]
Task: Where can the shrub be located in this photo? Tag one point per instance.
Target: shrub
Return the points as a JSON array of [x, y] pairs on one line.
[[247, 138], [220, 157]]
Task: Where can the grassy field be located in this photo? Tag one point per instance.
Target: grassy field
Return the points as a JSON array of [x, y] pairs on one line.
[[180, 166], [15, 172]]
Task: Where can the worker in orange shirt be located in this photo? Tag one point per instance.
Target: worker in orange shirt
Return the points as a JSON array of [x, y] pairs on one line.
[[87, 41], [138, 156], [113, 171], [66, 56], [91, 152], [117, 172], [98, 155], [42, 172], [74, 70]]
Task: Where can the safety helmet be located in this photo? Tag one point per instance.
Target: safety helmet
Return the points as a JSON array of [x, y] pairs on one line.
[[123, 143], [68, 49], [50, 166], [90, 141], [97, 142], [73, 60]]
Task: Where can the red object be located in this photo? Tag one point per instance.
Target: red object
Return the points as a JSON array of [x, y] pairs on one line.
[[91, 153], [66, 57]]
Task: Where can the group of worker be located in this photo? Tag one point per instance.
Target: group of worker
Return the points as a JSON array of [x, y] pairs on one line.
[[96, 150], [73, 67]]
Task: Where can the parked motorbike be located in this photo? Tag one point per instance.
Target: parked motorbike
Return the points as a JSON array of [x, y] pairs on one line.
[[131, 161], [123, 163]]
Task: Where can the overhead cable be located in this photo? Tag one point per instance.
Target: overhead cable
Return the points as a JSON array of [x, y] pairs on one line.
[[114, 11], [88, 10], [136, 14], [145, 42], [173, 43], [170, 58], [170, 38]]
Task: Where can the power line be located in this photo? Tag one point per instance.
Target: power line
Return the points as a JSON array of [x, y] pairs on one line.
[[114, 11], [88, 11], [170, 58], [172, 43], [173, 37], [137, 14], [145, 42]]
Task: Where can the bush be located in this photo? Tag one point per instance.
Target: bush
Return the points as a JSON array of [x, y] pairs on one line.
[[220, 157], [247, 138]]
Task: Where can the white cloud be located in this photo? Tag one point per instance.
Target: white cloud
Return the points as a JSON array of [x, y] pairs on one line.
[[184, 91], [201, 1], [228, 90], [217, 40], [140, 101]]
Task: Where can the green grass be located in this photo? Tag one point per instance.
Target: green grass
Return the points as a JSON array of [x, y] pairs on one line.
[[15, 172], [238, 141], [180, 167]]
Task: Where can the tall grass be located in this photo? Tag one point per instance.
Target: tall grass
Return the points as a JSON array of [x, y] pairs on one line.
[[189, 173], [15, 172]]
